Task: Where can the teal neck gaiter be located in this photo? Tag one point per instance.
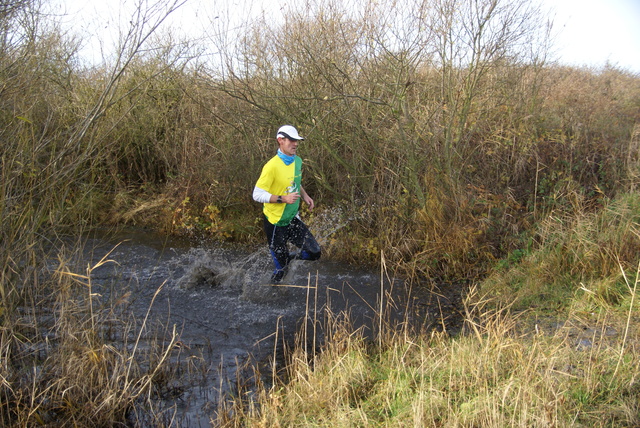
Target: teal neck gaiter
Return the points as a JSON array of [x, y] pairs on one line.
[[288, 160]]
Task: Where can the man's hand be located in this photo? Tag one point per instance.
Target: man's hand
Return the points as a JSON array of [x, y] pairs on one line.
[[291, 197], [307, 198], [309, 201]]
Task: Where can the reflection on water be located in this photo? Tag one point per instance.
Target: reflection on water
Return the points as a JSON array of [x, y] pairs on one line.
[[224, 312]]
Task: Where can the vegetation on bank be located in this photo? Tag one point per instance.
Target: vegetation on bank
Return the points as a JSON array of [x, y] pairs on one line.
[[551, 339], [449, 145], [494, 377]]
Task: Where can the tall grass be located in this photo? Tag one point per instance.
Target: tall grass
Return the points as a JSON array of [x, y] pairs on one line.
[[73, 357], [582, 257], [505, 371]]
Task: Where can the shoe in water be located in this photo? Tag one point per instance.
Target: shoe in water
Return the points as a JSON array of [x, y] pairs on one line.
[[300, 255], [277, 276]]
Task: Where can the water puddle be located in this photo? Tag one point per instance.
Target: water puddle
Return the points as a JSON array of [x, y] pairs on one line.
[[225, 315]]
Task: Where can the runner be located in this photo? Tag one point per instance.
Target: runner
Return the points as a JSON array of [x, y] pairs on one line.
[[279, 188]]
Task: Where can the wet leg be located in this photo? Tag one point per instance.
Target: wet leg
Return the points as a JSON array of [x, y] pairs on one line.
[[301, 236]]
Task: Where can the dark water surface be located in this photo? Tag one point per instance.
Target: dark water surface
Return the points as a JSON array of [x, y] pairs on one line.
[[225, 315]]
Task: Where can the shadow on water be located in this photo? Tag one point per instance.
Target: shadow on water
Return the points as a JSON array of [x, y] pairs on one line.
[[226, 316]]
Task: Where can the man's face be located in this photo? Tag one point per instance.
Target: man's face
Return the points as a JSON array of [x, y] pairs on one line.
[[288, 146]]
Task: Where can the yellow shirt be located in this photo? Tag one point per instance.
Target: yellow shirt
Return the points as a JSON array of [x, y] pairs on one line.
[[278, 178]]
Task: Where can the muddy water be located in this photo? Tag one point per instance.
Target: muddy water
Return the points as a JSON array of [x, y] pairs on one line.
[[226, 315]]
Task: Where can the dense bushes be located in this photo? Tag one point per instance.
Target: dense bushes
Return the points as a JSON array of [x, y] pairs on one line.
[[462, 150]]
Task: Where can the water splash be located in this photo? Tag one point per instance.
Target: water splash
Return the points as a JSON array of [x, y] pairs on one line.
[[328, 222]]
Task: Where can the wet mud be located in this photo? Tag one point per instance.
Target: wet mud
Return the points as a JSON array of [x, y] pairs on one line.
[[228, 319]]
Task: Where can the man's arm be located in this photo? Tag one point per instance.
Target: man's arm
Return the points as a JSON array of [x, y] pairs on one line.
[[261, 195], [264, 197]]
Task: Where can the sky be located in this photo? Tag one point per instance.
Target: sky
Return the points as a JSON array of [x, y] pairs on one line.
[[594, 32], [588, 33]]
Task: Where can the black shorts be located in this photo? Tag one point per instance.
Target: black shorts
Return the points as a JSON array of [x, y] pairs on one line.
[[296, 233]]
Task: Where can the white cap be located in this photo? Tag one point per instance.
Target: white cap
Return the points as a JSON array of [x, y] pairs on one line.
[[288, 131]]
